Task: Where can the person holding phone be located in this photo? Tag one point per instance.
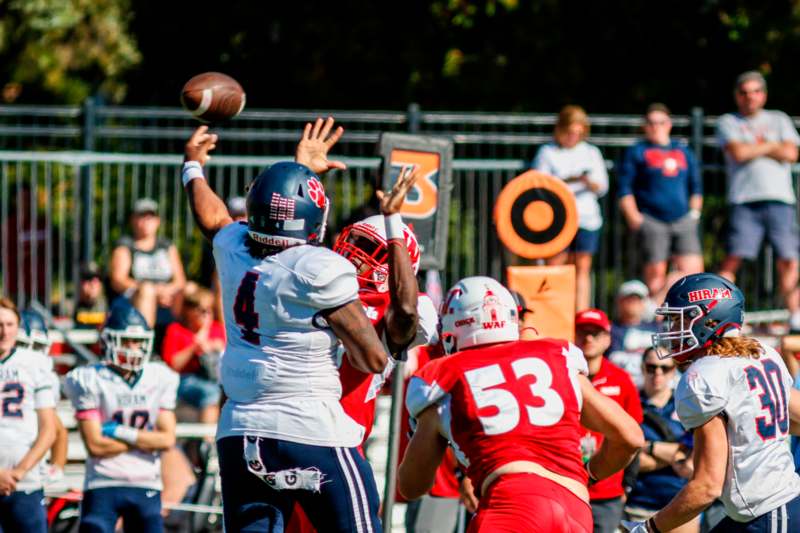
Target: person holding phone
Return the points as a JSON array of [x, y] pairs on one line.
[[581, 166]]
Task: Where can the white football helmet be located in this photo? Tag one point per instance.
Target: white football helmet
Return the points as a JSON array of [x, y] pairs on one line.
[[477, 311]]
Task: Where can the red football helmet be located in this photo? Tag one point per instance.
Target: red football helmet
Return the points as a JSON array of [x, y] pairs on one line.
[[364, 245]]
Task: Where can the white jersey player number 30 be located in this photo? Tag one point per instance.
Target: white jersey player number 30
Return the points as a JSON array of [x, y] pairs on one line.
[[772, 397]]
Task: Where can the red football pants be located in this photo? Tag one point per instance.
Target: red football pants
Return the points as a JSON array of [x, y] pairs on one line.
[[518, 503]]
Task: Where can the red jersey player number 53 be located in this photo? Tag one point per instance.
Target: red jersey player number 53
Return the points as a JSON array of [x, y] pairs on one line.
[[500, 409]]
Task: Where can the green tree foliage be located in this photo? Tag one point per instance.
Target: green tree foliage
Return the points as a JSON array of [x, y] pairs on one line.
[[65, 50]]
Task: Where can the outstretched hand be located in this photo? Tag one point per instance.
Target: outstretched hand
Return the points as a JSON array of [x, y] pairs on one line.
[[392, 201], [317, 140], [199, 144]]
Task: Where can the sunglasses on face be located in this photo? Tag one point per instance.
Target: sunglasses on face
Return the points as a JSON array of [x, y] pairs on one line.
[[652, 368]]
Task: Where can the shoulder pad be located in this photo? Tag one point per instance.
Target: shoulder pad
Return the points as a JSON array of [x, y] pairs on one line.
[[329, 278], [575, 359], [427, 326], [425, 388], [702, 393], [81, 387], [230, 236]]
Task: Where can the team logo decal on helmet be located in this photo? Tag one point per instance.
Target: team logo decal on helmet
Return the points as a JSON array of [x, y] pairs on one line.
[[716, 293], [478, 311], [364, 244], [698, 310], [317, 192], [281, 208], [492, 311]]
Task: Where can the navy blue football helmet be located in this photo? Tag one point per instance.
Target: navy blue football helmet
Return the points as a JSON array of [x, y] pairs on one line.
[[33, 333], [286, 206], [698, 310], [126, 337]]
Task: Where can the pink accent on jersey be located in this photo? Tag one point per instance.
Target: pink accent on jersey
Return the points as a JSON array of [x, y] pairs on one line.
[[89, 414], [554, 444]]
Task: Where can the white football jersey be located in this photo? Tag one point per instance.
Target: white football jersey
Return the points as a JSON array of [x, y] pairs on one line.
[[279, 367], [753, 395], [97, 391], [26, 384]]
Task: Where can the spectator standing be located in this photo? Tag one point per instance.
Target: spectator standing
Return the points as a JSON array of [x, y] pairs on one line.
[[593, 336], [664, 464], [146, 268], [660, 195], [90, 304], [630, 332], [760, 146], [192, 347], [581, 166]]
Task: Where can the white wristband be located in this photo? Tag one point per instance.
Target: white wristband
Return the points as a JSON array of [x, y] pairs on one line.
[[191, 170], [394, 227], [126, 434], [694, 214]]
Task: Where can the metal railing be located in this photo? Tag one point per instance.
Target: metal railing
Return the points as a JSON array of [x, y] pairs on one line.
[[136, 129], [58, 208]]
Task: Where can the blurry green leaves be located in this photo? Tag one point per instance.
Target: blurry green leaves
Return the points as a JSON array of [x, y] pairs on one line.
[[68, 48], [453, 59]]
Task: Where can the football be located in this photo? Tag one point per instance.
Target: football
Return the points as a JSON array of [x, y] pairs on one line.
[[213, 96]]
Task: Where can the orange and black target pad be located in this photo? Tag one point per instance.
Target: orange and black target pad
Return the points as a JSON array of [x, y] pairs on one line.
[[535, 215]]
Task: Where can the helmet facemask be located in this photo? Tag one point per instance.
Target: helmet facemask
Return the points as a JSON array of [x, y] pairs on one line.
[[128, 349], [368, 252], [679, 338], [364, 244]]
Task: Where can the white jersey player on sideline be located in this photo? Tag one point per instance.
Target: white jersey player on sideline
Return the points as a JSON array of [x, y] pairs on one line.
[[27, 427], [283, 436], [33, 335], [125, 410], [736, 395]]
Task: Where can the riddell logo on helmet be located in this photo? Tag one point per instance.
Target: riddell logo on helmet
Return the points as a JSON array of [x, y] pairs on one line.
[[717, 293], [465, 322]]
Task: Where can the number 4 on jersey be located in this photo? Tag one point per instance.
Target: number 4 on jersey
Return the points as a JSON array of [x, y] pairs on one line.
[[244, 308]]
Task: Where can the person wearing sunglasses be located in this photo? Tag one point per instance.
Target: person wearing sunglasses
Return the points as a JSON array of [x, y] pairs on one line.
[[664, 461], [192, 347], [593, 337]]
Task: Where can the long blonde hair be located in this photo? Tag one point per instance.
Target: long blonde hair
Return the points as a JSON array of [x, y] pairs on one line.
[[736, 347]]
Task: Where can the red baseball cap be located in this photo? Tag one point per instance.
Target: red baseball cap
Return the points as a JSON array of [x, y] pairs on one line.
[[593, 317]]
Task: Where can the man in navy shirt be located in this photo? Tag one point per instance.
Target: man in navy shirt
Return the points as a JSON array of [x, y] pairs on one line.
[[660, 195]]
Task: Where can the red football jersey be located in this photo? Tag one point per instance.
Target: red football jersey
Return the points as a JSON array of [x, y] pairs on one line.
[[359, 390], [517, 401], [615, 383]]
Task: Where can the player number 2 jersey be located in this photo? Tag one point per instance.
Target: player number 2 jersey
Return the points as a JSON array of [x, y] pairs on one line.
[[517, 401], [279, 368], [98, 392], [753, 396], [27, 383]]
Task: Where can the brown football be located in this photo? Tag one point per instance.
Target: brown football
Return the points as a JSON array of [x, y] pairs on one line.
[[213, 96]]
